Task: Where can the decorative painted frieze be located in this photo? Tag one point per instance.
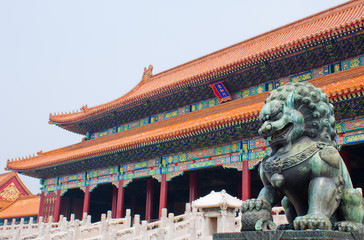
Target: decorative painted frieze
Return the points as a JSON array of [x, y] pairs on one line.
[[229, 156], [205, 104], [171, 159], [303, 76], [102, 172], [350, 125], [351, 137]]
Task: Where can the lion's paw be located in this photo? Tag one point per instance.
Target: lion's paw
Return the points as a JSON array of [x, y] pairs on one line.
[[265, 224], [347, 226], [253, 204], [312, 221]]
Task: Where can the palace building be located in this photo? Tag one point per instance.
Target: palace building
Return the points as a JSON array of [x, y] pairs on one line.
[[183, 132]]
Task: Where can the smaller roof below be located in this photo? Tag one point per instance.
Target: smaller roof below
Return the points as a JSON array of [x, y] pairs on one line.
[[27, 206], [221, 200]]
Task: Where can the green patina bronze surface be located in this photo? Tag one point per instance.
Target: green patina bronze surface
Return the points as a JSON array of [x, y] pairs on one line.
[[304, 171]]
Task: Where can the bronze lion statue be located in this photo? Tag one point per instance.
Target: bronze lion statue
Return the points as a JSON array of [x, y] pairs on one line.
[[304, 171]]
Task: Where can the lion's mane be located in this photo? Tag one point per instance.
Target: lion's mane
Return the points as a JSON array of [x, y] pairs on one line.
[[313, 103]]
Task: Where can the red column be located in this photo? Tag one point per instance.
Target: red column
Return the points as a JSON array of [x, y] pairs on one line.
[[193, 187], [345, 156], [41, 205], [57, 208], [114, 201], [120, 203], [163, 194], [245, 181], [86, 200], [149, 200]]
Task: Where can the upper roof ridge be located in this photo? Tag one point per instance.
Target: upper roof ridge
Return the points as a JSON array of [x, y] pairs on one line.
[[250, 50]]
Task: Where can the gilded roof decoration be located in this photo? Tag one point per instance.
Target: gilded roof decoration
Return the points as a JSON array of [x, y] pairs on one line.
[[147, 75], [10, 193]]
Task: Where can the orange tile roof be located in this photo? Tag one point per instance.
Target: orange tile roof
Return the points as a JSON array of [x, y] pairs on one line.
[[345, 82], [321, 25], [5, 177], [23, 207], [4, 204]]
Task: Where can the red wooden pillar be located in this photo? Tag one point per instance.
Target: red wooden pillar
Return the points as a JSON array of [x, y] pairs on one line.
[[193, 187], [120, 203], [86, 200], [345, 156], [114, 201], [41, 206], [149, 200], [245, 181], [163, 194], [57, 208]]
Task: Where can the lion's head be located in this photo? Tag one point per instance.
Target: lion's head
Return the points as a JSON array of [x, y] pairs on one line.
[[295, 110]]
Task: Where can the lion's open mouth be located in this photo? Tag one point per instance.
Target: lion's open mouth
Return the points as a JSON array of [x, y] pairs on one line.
[[281, 135]]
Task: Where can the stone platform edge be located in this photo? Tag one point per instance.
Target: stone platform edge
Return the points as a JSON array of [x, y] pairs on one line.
[[288, 235]]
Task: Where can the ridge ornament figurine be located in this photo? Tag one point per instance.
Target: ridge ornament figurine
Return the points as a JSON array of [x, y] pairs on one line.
[[304, 171]]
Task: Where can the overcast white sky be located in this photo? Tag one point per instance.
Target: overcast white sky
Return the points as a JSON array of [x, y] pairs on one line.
[[56, 56]]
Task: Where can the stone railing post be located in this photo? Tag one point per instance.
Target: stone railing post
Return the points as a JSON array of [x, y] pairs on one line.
[[127, 223], [77, 233], [188, 211], [136, 225], [171, 228], [144, 230], [48, 228], [88, 220], [84, 219], [163, 221], [109, 216], [72, 220], [16, 233], [30, 225], [105, 224], [40, 227], [63, 226], [192, 229], [13, 224]]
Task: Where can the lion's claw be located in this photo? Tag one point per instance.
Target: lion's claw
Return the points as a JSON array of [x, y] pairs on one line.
[[312, 221], [265, 225], [253, 204], [347, 226]]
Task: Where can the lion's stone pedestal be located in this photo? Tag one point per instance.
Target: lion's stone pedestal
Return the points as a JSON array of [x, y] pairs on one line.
[[288, 235]]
